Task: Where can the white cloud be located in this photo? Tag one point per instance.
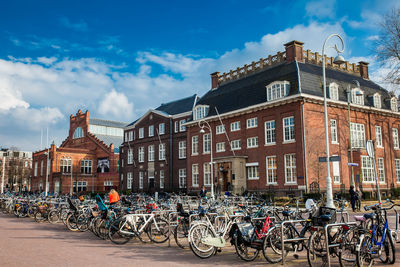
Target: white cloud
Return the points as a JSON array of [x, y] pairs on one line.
[[47, 60], [321, 9], [116, 104]]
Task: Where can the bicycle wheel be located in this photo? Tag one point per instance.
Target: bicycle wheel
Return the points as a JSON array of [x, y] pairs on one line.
[[54, 216], [115, 234], [389, 251], [196, 234], [272, 245], [363, 254], [316, 253], [83, 224], [244, 251], [347, 252], [39, 217], [102, 229], [143, 235], [158, 230], [181, 232], [72, 224]]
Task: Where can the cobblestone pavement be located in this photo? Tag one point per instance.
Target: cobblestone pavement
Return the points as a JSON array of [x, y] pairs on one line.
[[24, 242]]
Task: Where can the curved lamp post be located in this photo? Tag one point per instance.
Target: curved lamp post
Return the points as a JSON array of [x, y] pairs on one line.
[[204, 124], [338, 60]]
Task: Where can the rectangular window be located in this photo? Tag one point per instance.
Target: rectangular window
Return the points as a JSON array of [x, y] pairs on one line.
[[206, 143], [130, 136], [277, 90], [141, 133], [176, 126], [378, 136], [151, 130], [182, 127], [195, 145], [141, 154], [381, 170], [82, 186], [41, 168], [195, 175], [270, 132], [151, 152], [395, 138], [126, 137], [397, 167], [182, 178], [122, 163], [252, 142], [251, 123], [334, 136], [367, 168], [252, 173], [290, 169], [357, 135], [336, 171], [65, 165], [161, 151], [86, 166], [141, 178], [161, 128], [288, 129], [36, 168], [182, 150], [207, 174], [235, 126], [130, 156], [162, 181], [129, 180], [271, 170], [221, 147], [220, 129], [236, 144]]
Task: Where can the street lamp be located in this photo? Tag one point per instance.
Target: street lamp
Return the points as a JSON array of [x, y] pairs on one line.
[[204, 124], [338, 60], [358, 93]]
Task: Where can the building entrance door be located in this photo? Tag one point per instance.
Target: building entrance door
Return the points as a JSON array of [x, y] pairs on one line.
[[225, 176]]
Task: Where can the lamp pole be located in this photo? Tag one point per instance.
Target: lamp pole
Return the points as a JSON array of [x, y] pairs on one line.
[[204, 124], [329, 192], [2, 174]]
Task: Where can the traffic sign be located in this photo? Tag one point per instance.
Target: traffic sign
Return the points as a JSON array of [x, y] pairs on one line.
[[370, 148], [332, 158], [352, 164]]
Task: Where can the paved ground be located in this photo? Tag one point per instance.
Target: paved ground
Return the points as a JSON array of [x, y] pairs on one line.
[[26, 243]]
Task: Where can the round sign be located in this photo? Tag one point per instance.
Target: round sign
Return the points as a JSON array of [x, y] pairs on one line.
[[370, 148]]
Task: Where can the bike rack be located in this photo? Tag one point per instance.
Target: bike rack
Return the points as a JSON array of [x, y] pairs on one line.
[[327, 239], [344, 212], [170, 222], [282, 225]]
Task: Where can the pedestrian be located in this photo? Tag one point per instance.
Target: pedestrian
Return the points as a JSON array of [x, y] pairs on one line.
[[353, 197], [203, 192], [113, 197]]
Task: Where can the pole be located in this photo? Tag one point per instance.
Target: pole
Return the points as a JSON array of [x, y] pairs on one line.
[[2, 174], [47, 165], [351, 145], [211, 167], [70, 191]]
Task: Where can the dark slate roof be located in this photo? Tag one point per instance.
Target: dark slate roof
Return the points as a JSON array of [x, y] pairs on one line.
[[178, 106], [250, 90], [132, 123], [107, 123], [108, 140], [311, 83]]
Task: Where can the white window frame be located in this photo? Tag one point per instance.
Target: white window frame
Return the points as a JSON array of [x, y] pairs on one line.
[[126, 137], [195, 175], [36, 169], [78, 133], [141, 154], [393, 104], [182, 150], [150, 150], [195, 145], [236, 144], [251, 123], [207, 174], [235, 126], [378, 136], [395, 136], [162, 179], [141, 133], [161, 151], [220, 147], [271, 168], [357, 96], [130, 135], [129, 180], [270, 137], [200, 112], [141, 178], [86, 166], [367, 168], [219, 129], [182, 128], [334, 132], [277, 90], [377, 100], [252, 172], [151, 130], [397, 168], [161, 128], [288, 129], [290, 169], [336, 171], [206, 143], [252, 142], [65, 165], [176, 126], [130, 156], [357, 131], [334, 91], [381, 170], [182, 178]]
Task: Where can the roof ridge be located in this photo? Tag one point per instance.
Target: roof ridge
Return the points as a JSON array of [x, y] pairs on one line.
[[106, 120], [163, 104]]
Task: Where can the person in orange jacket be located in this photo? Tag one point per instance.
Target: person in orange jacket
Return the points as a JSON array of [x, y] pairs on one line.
[[113, 197]]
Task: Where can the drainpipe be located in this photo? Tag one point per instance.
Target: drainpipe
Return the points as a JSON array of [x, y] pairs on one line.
[[171, 177]]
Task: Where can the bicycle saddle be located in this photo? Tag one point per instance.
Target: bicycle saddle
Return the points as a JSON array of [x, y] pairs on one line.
[[360, 218], [369, 215], [286, 213]]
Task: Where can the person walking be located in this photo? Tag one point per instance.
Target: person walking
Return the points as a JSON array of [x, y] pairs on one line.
[[203, 192], [113, 197], [353, 197]]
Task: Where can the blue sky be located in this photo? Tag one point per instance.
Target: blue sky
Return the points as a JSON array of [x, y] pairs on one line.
[[118, 59]]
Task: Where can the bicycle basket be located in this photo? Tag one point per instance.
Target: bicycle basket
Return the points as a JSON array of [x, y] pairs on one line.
[[319, 219]]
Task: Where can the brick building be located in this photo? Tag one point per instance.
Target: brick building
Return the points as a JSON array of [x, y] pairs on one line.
[[16, 167], [270, 132], [88, 158], [153, 155]]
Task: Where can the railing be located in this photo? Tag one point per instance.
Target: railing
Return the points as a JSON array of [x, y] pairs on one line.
[[316, 58]]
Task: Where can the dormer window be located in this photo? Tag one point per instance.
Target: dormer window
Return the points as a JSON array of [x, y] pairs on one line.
[[357, 96], [78, 133], [277, 90], [200, 112], [334, 91], [393, 104], [377, 101]]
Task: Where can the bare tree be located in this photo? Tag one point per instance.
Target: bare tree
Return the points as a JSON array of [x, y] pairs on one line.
[[388, 45]]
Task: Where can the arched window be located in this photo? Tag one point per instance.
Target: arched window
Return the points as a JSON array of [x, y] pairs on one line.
[[333, 91], [78, 133], [277, 90], [200, 112], [357, 96], [377, 100], [393, 104]]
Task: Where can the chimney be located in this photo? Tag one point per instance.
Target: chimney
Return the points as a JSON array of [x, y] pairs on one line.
[[363, 69], [214, 80], [294, 51]]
